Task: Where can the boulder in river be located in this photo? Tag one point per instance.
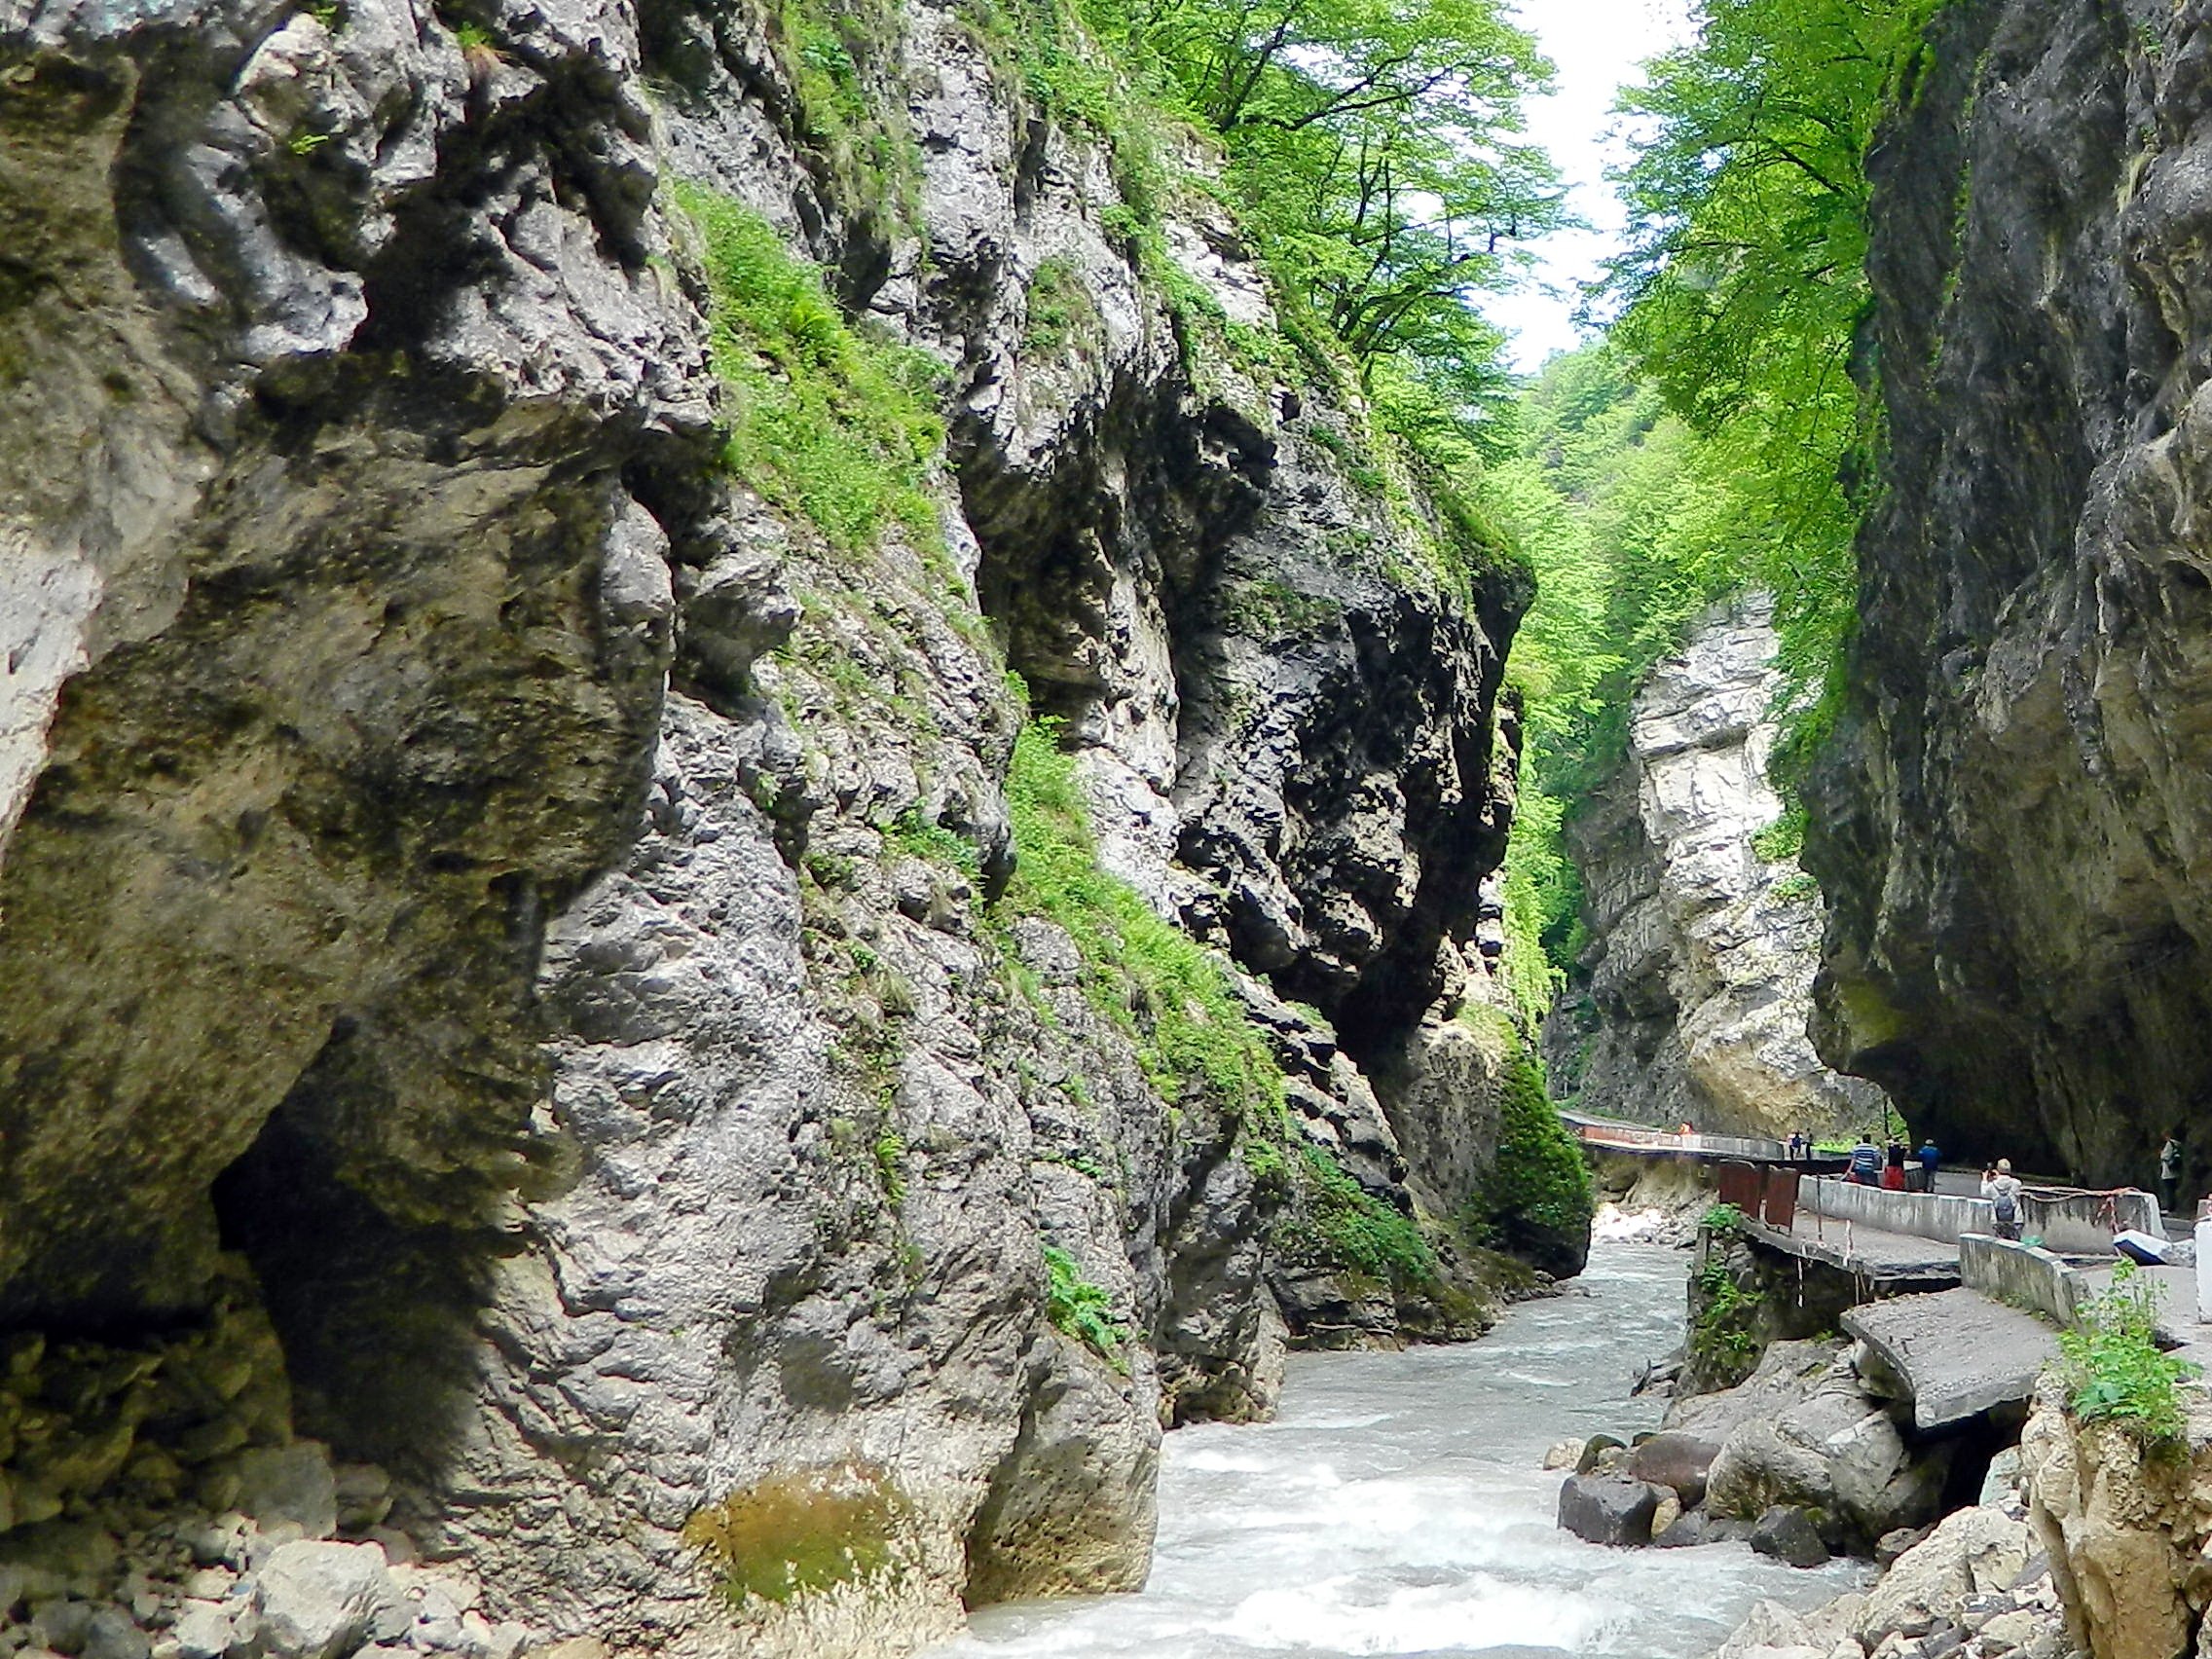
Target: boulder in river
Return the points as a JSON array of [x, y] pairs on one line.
[[1832, 1450], [1696, 1527], [1607, 1509], [1791, 1535], [1678, 1460]]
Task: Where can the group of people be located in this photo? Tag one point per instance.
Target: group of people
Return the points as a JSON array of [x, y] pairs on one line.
[[1873, 1165], [1877, 1166]]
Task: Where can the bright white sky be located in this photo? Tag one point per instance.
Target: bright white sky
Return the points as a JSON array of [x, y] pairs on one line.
[[1597, 46]]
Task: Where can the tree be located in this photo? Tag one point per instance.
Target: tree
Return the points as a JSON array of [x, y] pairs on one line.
[[1740, 294], [1377, 148]]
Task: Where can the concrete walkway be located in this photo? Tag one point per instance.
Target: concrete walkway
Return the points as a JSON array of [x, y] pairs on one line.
[[1885, 1259], [1955, 1353], [2177, 1310]]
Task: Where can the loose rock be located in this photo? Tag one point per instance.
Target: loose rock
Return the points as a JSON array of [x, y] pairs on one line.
[[317, 1600], [1607, 1509], [1789, 1535]]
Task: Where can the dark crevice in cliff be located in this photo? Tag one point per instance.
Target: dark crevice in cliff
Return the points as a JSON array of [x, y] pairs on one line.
[[377, 1316]]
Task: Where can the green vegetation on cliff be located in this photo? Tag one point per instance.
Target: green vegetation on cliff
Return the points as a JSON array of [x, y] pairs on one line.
[[1537, 1191], [1177, 1000], [1145, 975], [1373, 156], [1708, 445], [824, 423], [1360, 1230], [1081, 1309]]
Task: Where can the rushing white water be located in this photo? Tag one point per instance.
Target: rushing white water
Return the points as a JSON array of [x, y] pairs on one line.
[[1396, 1506]]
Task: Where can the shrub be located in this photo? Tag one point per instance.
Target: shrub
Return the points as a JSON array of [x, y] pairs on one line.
[[834, 427], [1538, 1188], [1082, 1309], [1784, 839], [1725, 1221], [2118, 1374], [792, 1534]]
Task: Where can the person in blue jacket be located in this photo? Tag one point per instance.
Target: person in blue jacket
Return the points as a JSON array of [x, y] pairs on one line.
[[1929, 1156]]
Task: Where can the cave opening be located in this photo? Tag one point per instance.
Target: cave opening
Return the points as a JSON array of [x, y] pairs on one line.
[[376, 1314]]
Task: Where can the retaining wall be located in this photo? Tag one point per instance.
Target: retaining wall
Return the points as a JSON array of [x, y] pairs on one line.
[[2019, 1275], [2071, 1221], [1916, 1215], [2087, 1221]]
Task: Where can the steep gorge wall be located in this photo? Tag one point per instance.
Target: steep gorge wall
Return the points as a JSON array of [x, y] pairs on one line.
[[504, 963], [1691, 999], [2011, 823]]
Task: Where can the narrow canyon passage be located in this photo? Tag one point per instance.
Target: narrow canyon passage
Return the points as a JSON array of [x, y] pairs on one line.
[[1397, 1506]]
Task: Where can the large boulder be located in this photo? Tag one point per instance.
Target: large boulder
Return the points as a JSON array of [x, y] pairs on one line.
[[293, 1485], [1607, 1509], [1787, 1372], [1792, 1535], [1834, 1452], [1770, 1630], [1679, 1460], [1973, 1552], [317, 1600]]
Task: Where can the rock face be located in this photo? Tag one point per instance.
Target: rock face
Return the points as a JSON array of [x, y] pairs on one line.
[[2010, 823], [513, 958], [2125, 1531], [1690, 1002]]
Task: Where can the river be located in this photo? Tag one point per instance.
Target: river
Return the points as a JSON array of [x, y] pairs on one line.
[[1396, 1506]]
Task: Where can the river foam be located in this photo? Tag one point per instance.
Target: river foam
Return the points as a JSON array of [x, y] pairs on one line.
[[1396, 1506]]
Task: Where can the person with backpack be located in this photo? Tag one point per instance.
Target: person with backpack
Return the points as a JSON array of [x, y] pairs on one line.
[[2002, 1192]]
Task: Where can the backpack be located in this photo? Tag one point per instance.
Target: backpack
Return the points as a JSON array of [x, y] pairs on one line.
[[2007, 1212]]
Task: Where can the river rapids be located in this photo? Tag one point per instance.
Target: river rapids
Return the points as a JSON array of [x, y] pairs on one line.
[[1397, 1506]]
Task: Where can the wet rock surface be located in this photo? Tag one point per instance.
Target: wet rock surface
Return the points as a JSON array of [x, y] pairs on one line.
[[2009, 822], [1607, 1509]]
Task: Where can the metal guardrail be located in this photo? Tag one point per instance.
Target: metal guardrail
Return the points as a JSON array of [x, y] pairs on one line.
[[1608, 1131]]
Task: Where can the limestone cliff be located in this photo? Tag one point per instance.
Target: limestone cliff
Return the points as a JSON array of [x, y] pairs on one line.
[[530, 949], [2011, 821], [1691, 999]]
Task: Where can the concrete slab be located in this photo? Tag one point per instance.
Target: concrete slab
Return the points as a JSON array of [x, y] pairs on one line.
[[1957, 1354], [1886, 1261]]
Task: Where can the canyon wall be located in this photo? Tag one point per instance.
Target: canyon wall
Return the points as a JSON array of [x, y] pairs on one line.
[[1689, 1003], [2012, 821], [552, 927]]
